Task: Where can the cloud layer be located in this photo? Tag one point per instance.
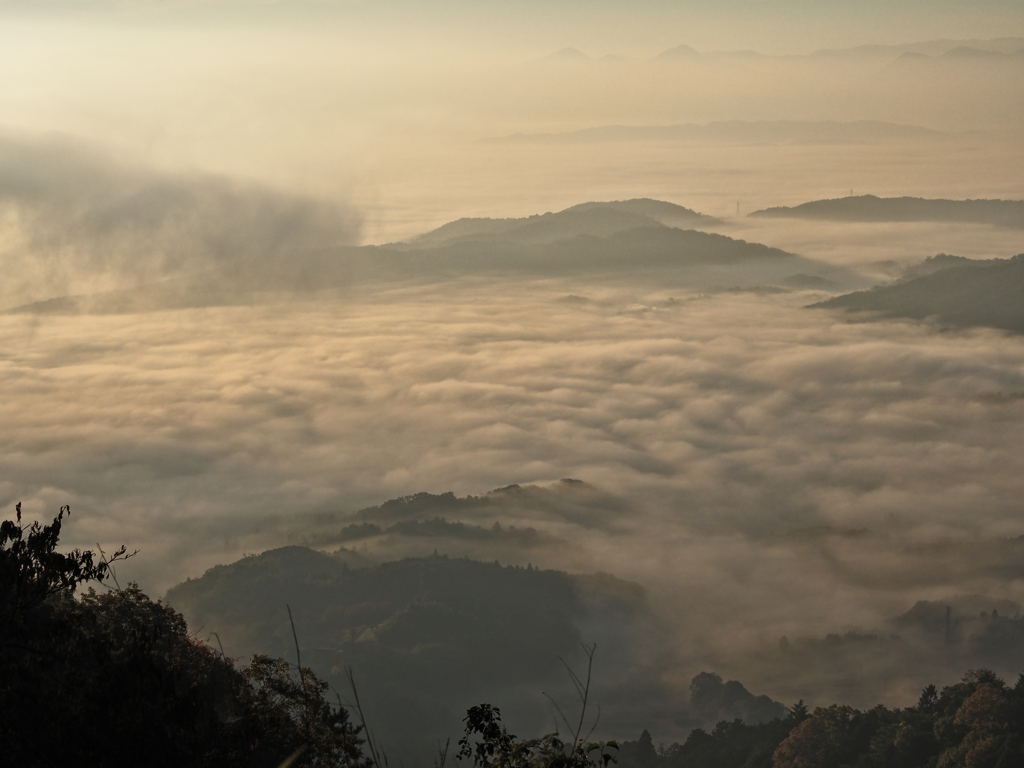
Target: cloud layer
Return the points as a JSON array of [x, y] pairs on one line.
[[748, 439], [77, 220]]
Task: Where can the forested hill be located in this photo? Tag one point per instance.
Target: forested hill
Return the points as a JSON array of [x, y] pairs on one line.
[[976, 723], [965, 293], [428, 637], [1004, 213], [523, 614], [118, 669]]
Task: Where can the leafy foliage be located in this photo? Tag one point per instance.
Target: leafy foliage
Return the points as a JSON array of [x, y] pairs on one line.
[[108, 677], [495, 747], [31, 569], [488, 744], [288, 711], [976, 723], [116, 679]]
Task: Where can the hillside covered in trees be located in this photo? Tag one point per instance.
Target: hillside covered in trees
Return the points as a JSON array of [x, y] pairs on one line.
[[116, 679], [428, 636], [956, 292], [976, 723]]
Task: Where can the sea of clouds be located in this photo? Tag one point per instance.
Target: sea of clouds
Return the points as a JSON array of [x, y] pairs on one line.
[[747, 436], [776, 470]]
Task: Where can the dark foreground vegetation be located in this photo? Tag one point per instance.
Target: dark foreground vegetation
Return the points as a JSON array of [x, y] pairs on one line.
[[114, 678], [977, 723]]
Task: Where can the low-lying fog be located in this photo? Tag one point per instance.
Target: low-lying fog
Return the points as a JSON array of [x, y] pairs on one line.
[[783, 471], [770, 471]]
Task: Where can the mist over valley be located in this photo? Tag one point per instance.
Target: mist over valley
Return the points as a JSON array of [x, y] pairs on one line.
[[442, 358]]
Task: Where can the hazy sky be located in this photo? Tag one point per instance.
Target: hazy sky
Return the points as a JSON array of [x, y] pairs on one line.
[[383, 104], [605, 26]]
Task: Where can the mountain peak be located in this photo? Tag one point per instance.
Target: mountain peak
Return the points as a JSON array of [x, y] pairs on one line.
[[679, 52], [568, 54]]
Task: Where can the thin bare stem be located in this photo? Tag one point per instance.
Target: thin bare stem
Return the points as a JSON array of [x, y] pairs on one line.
[[302, 678], [442, 754], [559, 712], [108, 563], [290, 760], [219, 645], [379, 758], [585, 694], [594, 726]]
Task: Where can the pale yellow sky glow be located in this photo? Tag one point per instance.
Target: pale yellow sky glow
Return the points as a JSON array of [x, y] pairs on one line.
[[370, 105]]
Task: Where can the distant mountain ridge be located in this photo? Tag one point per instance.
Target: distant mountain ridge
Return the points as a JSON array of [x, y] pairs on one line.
[[927, 48], [1004, 213], [963, 54], [976, 293], [678, 52], [596, 218], [507, 523], [640, 239], [932, 48], [754, 131]]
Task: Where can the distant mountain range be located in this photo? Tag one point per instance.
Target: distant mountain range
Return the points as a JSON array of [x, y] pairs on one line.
[[954, 291], [962, 54], [742, 131], [933, 48], [1004, 213], [631, 239], [952, 48]]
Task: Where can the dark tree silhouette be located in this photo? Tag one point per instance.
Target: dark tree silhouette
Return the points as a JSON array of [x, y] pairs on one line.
[[116, 679]]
